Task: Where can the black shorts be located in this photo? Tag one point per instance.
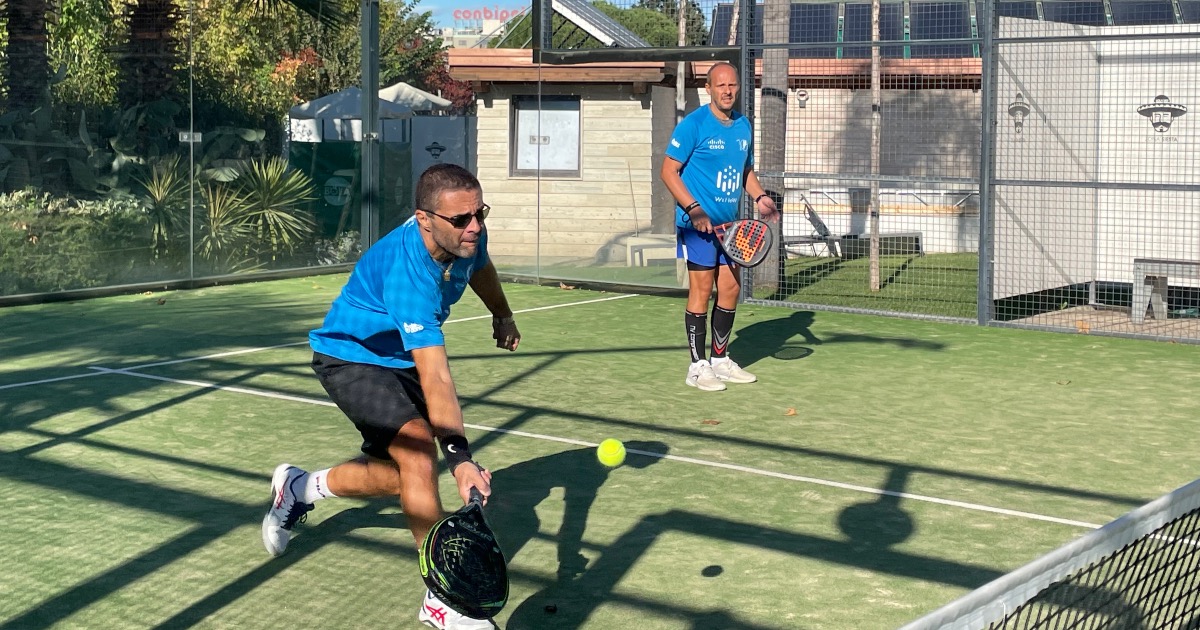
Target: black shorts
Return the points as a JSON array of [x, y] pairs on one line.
[[378, 400]]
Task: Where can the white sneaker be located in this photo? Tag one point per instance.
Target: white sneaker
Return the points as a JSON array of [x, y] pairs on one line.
[[287, 509], [701, 376], [436, 613], [731, 372]]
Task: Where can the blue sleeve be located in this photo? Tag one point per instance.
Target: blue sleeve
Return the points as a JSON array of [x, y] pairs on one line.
[[683, 141], [413, 301]]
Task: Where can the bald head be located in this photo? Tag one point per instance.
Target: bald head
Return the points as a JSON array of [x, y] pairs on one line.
[[721, 71], [722, 87]]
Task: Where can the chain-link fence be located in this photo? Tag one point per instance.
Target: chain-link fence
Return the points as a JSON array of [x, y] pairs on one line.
[[1088, 218], [1072, 208], [1025, 163]]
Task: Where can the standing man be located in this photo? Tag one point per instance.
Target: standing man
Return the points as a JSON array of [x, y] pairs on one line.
[[709, 162], [381, 356]]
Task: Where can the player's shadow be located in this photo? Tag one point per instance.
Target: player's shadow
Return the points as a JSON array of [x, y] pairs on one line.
[[520, 488], [875, 525], [787, 339]]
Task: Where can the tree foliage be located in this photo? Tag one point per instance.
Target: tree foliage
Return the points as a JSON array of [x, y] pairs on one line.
[[696, 31], [457, 92]]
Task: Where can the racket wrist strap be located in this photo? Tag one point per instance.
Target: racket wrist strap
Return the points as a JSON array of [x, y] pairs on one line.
[[759, 198], [456, 451]]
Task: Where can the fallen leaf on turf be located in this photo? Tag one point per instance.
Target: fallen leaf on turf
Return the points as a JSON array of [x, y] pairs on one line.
[[710, 422], [1063, 382], [162, 301], [566, 287], [791, 411]]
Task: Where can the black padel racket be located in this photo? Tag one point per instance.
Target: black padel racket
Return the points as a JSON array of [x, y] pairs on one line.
[[746, 242], [462, 564]]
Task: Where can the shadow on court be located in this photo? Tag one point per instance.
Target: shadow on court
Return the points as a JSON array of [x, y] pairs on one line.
[[520, 488], [792, 338], [575, 599]]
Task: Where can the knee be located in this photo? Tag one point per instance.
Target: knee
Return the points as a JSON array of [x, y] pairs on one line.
[[413, 449]]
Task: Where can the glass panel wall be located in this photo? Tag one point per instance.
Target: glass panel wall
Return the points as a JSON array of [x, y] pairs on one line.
[[172, 141]]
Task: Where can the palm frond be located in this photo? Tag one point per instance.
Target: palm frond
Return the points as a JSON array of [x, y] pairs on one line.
[[327, 12]]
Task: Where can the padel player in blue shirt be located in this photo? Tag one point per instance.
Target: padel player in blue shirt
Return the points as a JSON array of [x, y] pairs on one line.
[[381, 356], [708, 164]]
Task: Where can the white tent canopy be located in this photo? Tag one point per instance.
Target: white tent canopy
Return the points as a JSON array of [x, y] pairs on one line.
[[417, 99], [346, 104], [338, 117]]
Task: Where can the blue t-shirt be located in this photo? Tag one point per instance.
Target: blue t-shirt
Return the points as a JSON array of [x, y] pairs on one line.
[[716, 156], [395, 301]]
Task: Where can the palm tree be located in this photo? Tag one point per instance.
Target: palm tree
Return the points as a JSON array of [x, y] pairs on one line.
[[27, 73], [773, 126]]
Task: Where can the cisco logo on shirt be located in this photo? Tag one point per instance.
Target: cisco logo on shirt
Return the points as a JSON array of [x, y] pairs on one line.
[[412, 328], [728, 180], [716, 144]]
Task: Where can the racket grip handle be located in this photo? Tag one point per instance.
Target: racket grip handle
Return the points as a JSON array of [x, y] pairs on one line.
[[476, 495]]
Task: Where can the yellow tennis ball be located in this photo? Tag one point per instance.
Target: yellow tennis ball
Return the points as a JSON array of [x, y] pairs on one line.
[[611, 453]]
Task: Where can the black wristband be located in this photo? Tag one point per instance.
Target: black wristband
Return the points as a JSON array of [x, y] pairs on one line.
[[455, 450], [690, 207], [756, 199]]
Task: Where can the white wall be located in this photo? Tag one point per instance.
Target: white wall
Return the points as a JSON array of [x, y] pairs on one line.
[[1083, 127]]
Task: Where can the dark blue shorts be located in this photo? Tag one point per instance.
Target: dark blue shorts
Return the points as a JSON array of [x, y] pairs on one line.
[[378, 400], [699, 248]]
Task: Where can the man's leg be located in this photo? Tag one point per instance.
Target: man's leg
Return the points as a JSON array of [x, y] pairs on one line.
[[410, 476], [729, 287], [695, 320], [700, 252]]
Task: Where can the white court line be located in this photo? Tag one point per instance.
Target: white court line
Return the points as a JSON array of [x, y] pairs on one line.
[[689, 460], [101, 370], [47, 380]]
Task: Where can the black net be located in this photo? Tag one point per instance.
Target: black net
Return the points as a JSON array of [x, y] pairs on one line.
[[1139, 572], [1150, 583]]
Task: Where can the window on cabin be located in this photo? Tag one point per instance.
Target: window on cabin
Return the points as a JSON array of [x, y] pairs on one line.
[[545, 136]]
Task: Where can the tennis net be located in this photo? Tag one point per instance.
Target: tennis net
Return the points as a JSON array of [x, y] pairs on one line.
[[1139, 571]]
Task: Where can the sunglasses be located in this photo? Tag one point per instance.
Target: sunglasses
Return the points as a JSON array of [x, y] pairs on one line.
[[461, 221]]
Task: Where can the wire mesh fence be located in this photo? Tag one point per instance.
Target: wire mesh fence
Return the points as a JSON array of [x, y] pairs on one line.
[[1011, 163], [1021, 163]]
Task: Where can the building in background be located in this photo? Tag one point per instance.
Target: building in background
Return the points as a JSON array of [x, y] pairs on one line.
[[474, 26]]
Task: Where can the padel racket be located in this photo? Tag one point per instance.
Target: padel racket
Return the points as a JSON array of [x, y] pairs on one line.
[[462, 563], [746, 242]]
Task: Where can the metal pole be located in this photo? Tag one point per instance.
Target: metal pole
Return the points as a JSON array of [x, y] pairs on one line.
[[369, 179], [876, 142], [747, 70], [987, 158], [191, 53]]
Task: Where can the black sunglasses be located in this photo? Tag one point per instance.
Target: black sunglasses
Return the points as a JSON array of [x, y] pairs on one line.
[[461, 221]]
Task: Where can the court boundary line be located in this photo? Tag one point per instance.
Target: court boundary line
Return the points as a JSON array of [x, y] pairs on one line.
[[231, 353], [679, 458]]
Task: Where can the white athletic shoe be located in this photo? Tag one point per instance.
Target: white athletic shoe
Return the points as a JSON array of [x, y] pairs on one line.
[[287, 508], [701, 376], [434, 612], [731, 372]]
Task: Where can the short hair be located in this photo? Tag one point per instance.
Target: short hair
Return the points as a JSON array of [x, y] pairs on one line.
[[440, 178], [719, 64]]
